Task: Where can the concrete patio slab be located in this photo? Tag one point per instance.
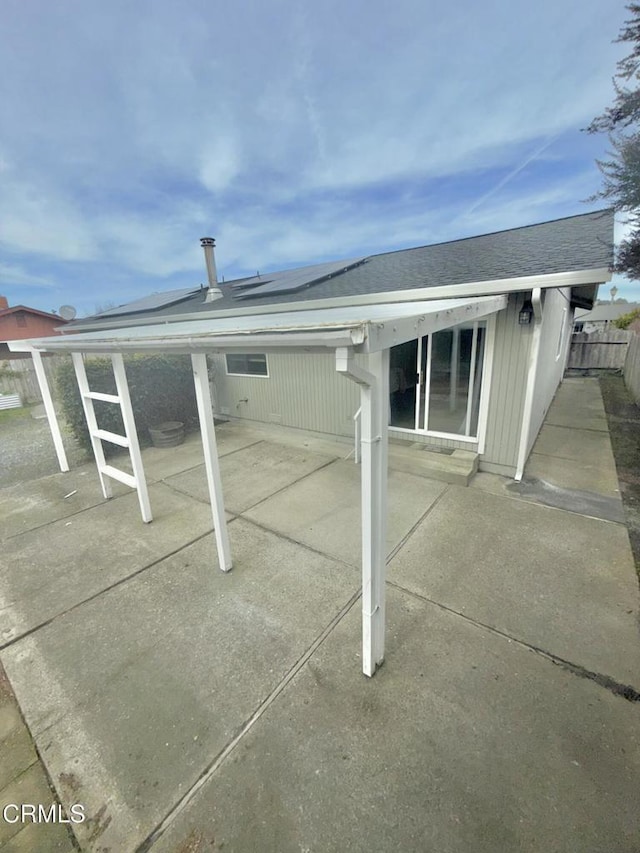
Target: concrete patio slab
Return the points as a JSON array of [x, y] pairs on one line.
[[252, 474], [230, 710], [178, 658], [27, 506], [162, 462], [574, 444], [49, 838], [547, 493], [565, 417], [592, 474], [41, 577], [323, 510], [463, 742], [578, 404], [530, 572]]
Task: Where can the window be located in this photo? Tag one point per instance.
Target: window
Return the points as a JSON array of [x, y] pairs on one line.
[[246, 364], [21, 319]]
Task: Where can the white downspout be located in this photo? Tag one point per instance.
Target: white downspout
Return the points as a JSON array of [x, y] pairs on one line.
[[374, 396], [532, 375]]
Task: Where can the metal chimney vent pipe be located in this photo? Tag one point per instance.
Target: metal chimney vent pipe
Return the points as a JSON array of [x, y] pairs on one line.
[[214, 292]]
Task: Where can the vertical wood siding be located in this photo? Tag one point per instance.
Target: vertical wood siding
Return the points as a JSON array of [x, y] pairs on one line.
[[302, 391], [508, 384], [556, 318]]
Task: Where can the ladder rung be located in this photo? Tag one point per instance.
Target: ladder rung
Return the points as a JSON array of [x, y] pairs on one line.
[[98, 395], [121, 476], [113, 437]]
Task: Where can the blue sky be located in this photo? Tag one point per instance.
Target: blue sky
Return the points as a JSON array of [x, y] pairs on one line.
[[291, 131]]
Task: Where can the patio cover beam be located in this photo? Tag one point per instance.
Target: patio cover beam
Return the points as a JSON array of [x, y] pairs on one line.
[[399, 330], [367, 328]]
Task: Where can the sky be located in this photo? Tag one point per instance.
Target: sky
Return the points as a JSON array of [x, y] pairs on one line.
[[291, 131]]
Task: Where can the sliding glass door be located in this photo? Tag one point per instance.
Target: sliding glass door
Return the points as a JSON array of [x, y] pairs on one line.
[[435, 382]]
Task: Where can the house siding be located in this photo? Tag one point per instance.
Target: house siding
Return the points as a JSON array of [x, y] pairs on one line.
[[556, 319], [306, 392], [508, 386], [301, 391]]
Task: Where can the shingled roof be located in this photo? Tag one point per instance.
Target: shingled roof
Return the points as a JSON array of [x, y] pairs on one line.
[[570, 244]]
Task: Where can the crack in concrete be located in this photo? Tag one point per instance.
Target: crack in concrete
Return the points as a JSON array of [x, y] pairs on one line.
[[150, 482], [214, 765], [296, 542], [580, 429], [294, 483], [626, 691], [413, 529], [100, 592]]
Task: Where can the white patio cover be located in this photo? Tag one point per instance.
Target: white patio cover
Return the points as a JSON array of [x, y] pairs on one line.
[[366, 329]]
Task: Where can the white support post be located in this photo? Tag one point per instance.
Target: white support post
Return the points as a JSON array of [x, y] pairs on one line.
[[374, 394], [212, 465], [132, 435], [532, 376], [90, 416], [56, 435], [374, 510]]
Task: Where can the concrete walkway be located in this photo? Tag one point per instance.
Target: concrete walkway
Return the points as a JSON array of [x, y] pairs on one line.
[[190, 711]]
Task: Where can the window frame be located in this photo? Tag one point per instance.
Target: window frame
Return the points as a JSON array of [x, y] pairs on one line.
[[247, 355]]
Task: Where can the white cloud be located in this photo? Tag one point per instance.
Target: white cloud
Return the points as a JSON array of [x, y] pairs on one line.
[[36, 219], [219, 163], [13, 274], [130, 134]]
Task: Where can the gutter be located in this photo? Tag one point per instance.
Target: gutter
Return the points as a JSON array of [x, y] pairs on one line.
[[532, 376], [246, 341]]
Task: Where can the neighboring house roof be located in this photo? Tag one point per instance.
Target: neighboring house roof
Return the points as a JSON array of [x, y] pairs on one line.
[[606, 313], [569, 245], [14, 309]]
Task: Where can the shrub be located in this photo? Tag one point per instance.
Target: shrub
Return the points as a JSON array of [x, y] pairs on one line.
[[626, 320], [161, 389]]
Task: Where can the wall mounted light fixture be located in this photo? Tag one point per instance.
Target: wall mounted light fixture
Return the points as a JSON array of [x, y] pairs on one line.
[[526, 313]]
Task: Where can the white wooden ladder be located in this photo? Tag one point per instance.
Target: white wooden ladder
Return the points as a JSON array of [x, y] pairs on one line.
[[129, 440]]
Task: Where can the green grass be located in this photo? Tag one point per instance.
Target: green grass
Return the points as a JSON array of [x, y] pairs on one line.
[[13, 415]]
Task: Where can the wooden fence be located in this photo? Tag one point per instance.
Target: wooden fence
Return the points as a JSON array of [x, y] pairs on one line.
[[18, 376], [599, 350]]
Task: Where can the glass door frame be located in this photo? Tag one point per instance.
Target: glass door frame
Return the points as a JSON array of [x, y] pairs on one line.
[[424, 381]]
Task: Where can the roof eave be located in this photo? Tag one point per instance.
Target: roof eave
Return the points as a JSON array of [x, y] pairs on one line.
[[598, 275]]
